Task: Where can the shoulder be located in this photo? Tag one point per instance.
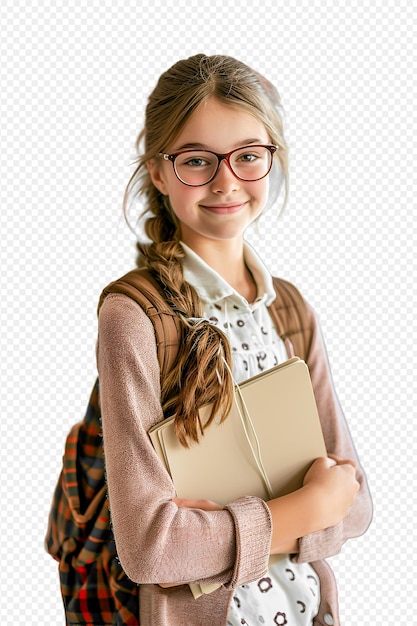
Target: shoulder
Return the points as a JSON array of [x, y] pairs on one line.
[[135, 304], [140, 286], [120, 316]]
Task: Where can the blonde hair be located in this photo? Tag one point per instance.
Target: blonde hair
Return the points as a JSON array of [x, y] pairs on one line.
[[200, 375]]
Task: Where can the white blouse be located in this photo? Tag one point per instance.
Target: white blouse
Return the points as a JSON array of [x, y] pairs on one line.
[[289, 593]]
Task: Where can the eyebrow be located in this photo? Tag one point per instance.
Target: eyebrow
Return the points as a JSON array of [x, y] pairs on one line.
[[202, 146]]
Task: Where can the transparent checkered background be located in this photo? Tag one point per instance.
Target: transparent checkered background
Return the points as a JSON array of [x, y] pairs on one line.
[[74, 79]]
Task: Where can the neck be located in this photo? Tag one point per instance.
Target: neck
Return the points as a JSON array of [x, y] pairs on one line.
[[227, 259]]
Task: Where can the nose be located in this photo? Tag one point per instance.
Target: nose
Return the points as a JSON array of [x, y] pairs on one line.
[[225, 181]]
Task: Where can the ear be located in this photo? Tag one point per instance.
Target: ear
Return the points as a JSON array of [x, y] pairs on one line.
[[157, 176]]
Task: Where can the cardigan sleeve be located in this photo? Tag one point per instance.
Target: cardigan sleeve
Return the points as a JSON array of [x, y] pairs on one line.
[[158, 542], [338, 440]]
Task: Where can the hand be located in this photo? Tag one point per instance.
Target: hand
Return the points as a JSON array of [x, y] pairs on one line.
[[204, 505], [336, 486]]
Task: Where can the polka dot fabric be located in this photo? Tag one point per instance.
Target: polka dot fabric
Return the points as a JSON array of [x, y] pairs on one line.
[[255, 343], [288, 595]]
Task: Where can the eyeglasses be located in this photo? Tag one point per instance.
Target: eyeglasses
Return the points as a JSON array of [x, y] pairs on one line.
[[199, 167]]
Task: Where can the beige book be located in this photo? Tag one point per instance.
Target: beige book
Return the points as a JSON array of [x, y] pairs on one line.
[[273, 429], [263, 448]]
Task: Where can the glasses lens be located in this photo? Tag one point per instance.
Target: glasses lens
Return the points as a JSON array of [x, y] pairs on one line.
[[251, 162], [195, 167]]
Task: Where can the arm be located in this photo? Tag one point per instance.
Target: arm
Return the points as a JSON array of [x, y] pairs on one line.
[[329, 491], [156, 540], [324, 543]]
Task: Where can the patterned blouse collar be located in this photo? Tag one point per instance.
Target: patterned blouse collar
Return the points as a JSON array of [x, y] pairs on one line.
[[213, 288]]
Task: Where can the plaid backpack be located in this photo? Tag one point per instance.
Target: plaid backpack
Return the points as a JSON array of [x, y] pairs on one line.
[[95, 589]]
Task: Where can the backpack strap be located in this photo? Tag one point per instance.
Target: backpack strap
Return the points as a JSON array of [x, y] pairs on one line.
[[292, 317], [142, 287]]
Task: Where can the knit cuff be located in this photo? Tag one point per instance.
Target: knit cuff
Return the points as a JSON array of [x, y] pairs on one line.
[[320, 545], [253, 526]]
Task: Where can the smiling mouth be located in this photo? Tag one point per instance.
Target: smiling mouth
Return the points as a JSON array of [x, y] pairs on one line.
[[223, 209]]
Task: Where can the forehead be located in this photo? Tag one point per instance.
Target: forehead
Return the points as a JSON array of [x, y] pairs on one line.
[[220, 127]]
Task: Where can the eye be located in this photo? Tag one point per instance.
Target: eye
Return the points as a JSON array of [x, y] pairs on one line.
[[248, 157], [195, 162]]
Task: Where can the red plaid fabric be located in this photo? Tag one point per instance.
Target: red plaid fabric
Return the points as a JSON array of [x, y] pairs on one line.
[[95, 589]]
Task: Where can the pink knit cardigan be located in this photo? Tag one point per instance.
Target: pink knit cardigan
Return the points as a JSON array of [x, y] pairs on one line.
[[157, 542]]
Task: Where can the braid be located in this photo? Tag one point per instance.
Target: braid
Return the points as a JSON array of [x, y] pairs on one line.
[[200, 375]]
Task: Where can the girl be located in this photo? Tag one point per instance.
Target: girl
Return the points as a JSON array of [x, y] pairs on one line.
[[214, 157]]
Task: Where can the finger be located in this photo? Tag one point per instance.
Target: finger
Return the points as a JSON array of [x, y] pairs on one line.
[[185, 503], [340, 461], [205, 505]]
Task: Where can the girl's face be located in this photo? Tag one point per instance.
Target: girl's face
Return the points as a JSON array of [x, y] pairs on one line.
[[223, 208]]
